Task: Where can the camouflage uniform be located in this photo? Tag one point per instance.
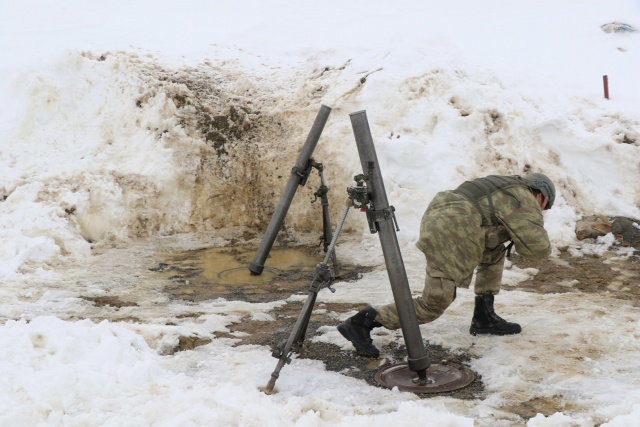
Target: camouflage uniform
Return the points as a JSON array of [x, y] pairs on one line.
[[457, 239]]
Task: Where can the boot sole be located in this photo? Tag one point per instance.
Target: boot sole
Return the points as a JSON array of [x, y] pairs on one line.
[[344, 329], [475, 332]]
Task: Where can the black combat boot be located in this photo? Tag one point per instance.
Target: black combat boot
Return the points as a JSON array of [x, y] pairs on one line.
[[357, 329], [486, 321]]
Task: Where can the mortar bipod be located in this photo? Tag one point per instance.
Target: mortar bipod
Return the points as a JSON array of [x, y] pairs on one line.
[[326, 237], [298, 177], [321, 277]]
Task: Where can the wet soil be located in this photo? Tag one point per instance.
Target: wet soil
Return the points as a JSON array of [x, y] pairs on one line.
[[211, 273], [222, 272], [337, 360], [602, 275], [188, 277]]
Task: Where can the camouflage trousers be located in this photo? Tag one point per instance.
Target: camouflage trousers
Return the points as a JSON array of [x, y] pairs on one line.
[[440, 291]]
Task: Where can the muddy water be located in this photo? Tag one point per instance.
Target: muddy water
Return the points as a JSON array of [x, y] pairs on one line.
[[223, 273], [212, 273]]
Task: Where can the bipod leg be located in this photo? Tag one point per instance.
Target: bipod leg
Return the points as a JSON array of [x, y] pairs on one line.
[[334, 258], [296, 338], [326, 221], [321, 275]]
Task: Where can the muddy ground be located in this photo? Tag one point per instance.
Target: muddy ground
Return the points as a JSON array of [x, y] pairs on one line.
[[188, 278]]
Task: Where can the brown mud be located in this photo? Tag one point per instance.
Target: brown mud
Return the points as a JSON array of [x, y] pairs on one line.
[[608, 274], [222, 272]]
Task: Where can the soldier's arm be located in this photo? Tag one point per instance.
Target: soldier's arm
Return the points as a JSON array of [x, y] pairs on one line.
[[525, 225]]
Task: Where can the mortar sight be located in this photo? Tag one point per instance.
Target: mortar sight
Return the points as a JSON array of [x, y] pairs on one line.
[[358, 193]]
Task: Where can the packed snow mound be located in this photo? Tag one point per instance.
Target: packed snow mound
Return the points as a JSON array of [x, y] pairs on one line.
[[132, 149], [116, 146]]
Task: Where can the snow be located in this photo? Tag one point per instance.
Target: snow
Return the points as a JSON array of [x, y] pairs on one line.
[[98, 173]]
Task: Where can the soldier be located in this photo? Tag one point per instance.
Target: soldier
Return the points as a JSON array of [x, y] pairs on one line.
[[461, 231]]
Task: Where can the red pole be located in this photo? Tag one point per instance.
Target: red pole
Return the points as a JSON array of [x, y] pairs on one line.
[[605, 81]]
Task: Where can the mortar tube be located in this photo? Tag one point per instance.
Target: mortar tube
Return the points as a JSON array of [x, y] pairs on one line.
[[257, 265], [418, 359]]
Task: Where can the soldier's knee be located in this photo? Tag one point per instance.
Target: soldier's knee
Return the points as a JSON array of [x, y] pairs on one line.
[[439, 309], [432, 307], [431, 314]]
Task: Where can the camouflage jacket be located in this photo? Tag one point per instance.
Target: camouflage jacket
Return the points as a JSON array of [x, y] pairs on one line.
[[455, 242]]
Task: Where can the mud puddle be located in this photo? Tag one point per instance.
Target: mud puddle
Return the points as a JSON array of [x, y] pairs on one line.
[[223, 273], [212, 273]]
